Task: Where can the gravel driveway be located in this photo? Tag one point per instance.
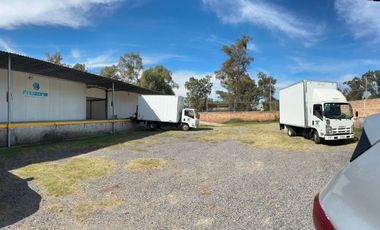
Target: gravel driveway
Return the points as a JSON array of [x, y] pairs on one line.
[[202, 185]]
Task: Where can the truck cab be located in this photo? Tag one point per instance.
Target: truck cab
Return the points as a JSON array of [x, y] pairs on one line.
[[332, 117], [332, 121], [189, 119]]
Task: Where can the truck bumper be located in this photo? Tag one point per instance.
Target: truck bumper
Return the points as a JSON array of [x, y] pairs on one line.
[[194, 126], [339, 137]]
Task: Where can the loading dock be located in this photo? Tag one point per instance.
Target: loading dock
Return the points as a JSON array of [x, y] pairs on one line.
[[42, 101]]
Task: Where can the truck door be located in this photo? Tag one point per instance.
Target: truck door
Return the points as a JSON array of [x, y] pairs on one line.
[[188, 117], [317, 116]]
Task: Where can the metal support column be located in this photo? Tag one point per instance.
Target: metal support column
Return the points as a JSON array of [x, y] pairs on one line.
[[113, 107], [9, 100]]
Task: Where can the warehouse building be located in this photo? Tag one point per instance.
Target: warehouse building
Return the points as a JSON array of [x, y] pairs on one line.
[[42, 101]]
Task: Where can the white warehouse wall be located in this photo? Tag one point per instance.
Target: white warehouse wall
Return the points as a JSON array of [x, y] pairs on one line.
[[65, 100], [3, 95], [125, 104]]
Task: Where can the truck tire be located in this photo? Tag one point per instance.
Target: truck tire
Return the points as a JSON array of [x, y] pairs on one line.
[[291, 131], [153, 125], [185, 127], [316, 138]]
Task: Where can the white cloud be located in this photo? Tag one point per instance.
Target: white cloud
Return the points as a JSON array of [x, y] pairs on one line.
[[71, 13], [264, 14], [362, 17], [252, 47], [76, 54], [181, 76], [102, 60], [155, 59], [346, 77], [8, 46]]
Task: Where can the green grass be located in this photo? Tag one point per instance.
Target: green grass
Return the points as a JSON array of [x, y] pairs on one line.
[[262, 135], [358, 132], [89, 143], [240, 122], [145, 164], [62, 179]]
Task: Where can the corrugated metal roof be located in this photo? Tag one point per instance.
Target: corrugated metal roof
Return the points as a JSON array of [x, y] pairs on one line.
[[35, 66]]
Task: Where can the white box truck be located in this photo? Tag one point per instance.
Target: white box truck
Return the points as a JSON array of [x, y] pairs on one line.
[[317, 110], [157, 110]]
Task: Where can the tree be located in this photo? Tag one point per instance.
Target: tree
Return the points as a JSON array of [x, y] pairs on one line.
[[110, 72], [355, 90], [267, 89], [158, 78], [233, 74], [55, 58], [198, 91], [130, 66], [373, 83], [81, 67]]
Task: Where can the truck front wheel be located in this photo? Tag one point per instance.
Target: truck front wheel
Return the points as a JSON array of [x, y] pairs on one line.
[[185, 127], [153, 125], [316, 137], [291, 131]]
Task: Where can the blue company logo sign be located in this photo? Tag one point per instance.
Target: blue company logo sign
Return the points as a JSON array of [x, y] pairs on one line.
[[35, 92], [36, 86]]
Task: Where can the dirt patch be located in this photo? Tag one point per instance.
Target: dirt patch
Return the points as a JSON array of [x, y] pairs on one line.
[[87, 208]]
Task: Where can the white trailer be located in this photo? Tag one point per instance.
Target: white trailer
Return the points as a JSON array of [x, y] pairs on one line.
[[316, 109], [157, 110]]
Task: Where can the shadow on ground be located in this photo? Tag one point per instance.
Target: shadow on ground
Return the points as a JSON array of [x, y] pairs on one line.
[[340, 142], [17, 199], [171, 128]]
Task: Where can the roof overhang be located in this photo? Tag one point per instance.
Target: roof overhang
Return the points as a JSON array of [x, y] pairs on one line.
[[35, 66]]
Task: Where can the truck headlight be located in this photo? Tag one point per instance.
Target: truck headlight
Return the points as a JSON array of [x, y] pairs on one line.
[[329, 130]]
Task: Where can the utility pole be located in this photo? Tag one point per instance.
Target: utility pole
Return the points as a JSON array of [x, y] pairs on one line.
[[9, 101], [270, 94]]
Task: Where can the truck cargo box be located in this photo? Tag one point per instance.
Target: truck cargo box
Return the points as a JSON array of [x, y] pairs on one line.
[[296, 101], [160, 108]]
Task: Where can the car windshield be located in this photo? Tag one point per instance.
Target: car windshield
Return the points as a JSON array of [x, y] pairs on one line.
[[338, 111]]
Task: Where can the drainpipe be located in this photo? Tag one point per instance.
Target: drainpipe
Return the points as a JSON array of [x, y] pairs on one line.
[[9, 100], [113, 107]]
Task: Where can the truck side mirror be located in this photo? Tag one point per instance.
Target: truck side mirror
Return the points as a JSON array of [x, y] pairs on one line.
[[356, 114]]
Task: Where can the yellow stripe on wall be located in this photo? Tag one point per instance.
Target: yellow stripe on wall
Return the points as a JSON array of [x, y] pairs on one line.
[[58, 123]]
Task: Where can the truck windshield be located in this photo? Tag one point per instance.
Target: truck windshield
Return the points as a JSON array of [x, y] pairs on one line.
[[196, 113], [338, 111]]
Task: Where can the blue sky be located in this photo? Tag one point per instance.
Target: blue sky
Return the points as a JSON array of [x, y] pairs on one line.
[[292, 40]]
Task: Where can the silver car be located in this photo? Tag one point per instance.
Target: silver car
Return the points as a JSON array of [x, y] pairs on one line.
[[352, 199]]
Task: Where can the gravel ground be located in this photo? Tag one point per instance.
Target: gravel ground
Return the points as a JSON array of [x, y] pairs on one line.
[[203, 185]]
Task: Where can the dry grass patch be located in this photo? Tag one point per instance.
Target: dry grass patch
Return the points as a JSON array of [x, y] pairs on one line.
[[62, 179], [261, 135], [55, 208], [137, 145], [173, 133], [145, 164], [87, 208]]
